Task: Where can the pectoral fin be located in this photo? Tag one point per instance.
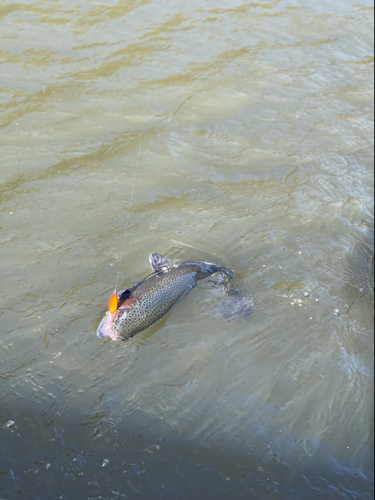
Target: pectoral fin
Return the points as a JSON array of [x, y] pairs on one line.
[[158, 262]]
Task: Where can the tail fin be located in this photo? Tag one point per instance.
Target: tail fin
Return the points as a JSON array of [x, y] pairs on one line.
[[237, 304]]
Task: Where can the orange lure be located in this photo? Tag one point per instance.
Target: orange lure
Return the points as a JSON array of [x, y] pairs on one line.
[[113, 303]]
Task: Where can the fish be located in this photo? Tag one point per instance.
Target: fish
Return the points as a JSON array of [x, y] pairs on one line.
[[150, 300]]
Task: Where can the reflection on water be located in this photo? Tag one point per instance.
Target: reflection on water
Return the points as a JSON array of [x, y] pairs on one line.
[[251, 126]]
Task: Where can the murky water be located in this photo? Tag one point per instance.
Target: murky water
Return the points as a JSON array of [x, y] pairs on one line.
[[249, 126]]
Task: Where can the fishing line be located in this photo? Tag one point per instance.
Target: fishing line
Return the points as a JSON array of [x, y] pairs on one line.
[[114, 296]]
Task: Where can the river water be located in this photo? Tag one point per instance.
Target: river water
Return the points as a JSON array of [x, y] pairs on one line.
[[233, 131]]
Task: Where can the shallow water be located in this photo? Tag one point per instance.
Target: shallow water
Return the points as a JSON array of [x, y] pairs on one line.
[[243, 133]]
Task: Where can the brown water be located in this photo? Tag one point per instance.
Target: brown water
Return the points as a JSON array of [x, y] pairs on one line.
[[249, 126]]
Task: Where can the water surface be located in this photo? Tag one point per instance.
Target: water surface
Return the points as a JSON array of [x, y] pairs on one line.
[[240, 132]]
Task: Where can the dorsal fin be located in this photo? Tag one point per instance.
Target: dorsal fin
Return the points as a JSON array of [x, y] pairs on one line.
[[158, 262]]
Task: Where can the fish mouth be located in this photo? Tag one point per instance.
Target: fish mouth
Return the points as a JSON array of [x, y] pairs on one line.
[[106, 329]]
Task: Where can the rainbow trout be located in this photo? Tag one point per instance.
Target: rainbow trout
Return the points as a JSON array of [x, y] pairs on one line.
[[147, 302]]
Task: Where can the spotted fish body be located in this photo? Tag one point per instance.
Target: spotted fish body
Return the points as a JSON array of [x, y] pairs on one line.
[[147, 302]]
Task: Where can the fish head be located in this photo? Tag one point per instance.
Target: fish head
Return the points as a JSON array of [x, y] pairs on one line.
[[107, 327], [112, 323]]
